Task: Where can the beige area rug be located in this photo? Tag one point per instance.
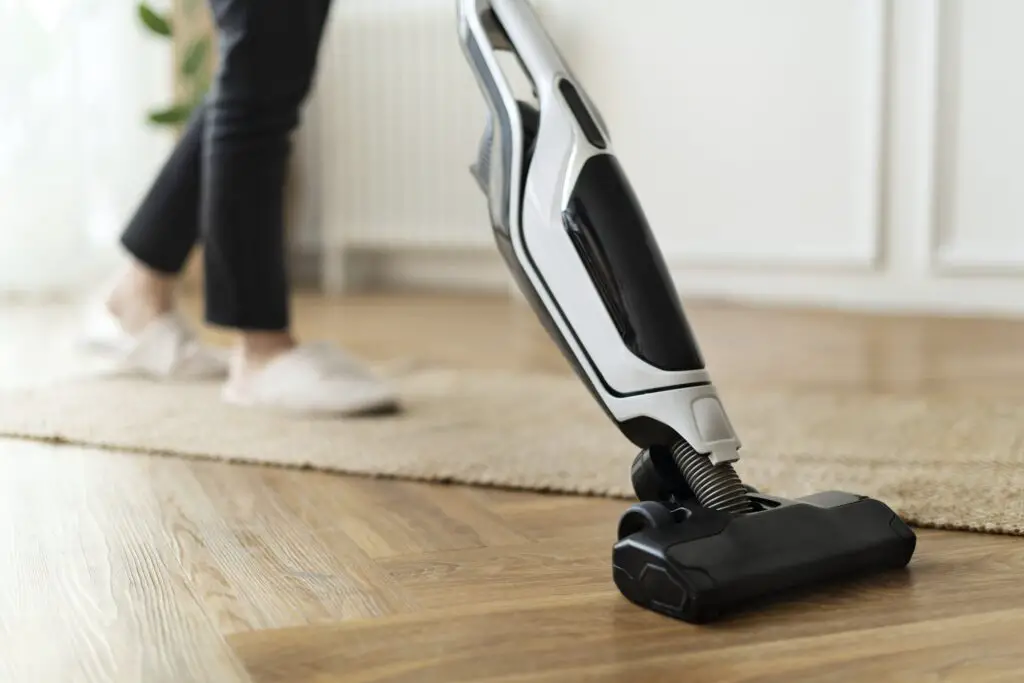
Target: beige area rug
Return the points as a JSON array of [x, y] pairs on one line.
[[943, 461]]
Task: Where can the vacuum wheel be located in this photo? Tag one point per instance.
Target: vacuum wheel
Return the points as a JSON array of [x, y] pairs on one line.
[[655, 476], [648, 514]]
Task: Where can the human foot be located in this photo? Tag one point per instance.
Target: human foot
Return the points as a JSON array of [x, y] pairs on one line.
[[138, 325], [139, 296], [316, 378]]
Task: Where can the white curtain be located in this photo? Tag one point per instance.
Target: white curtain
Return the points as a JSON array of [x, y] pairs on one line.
[[76, 153]]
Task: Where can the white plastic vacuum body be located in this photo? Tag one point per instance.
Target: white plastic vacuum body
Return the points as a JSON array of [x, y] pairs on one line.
[[573, 233]]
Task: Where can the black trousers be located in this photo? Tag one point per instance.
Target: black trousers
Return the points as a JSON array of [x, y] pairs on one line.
[[224, 182]]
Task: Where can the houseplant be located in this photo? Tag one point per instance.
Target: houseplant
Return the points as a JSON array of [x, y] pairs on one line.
[[184, 28]]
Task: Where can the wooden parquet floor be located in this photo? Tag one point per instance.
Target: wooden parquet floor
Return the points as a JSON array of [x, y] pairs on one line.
[[118, 567]]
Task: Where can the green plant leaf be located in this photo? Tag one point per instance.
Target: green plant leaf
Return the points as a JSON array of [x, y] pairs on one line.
[[201, 84], [171, 116], [196, 99], [154, 21], [195, 56]]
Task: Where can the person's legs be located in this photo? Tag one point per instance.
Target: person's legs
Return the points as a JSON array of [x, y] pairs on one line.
[[161, 234], [269, 54], [165, 227], [268, 59], [224, 182], [137, 320], [228, 178]]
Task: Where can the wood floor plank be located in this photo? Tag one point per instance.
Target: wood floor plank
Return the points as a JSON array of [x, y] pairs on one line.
[[940, 650], [385, 518], [92, 588], [583, 638], [484, 575], [282, 564], [548, 517], [205, 552]]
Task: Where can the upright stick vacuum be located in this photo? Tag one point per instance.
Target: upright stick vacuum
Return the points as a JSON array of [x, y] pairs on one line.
[[699, 542]]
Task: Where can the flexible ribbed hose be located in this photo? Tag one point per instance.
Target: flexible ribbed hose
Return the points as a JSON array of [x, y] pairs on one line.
[[716, 486]]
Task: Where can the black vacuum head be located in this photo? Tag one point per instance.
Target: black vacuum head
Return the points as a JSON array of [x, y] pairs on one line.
[[695, 564]]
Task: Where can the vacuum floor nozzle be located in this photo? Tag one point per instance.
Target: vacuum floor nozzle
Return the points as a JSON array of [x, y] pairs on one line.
[[697, 564]]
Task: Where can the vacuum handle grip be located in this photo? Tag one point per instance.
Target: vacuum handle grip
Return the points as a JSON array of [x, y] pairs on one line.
[[501, 179], [537, 52]]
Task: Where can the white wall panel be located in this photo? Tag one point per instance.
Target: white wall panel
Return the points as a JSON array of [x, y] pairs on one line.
[[980, 180], [752, 130]]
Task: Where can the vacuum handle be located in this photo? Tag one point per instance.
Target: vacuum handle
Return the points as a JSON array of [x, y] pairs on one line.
[[537, 52], [545, 66], [500, 179]]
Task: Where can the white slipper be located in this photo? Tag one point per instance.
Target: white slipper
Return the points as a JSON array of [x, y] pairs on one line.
[[313, 378], [167, 348], [101, 332]]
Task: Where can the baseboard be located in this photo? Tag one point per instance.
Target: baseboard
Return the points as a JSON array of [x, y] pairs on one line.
[[482, 271], [473, 270]]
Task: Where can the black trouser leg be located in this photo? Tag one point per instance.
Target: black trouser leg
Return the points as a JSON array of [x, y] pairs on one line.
[[165, 227], [269, 53], [228, 172]]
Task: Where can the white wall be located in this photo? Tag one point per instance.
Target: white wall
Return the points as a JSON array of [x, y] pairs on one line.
[[854, 153]]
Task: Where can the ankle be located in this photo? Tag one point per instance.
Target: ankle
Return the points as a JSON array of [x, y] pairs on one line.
[[257, 349], [140, 295]]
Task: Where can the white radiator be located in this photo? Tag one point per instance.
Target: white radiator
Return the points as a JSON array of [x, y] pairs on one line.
[[399, 117]]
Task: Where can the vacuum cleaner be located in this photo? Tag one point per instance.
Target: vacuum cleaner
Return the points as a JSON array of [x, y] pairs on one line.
[[698, 543]]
